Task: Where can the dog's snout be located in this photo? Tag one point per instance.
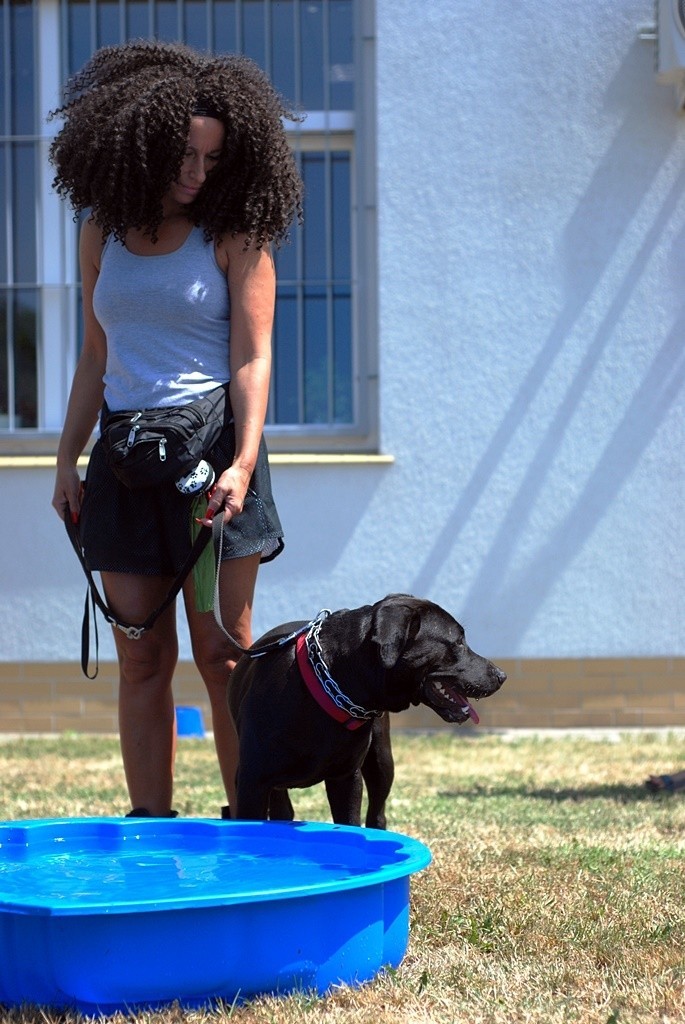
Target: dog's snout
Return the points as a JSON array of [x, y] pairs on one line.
[[500, 676]]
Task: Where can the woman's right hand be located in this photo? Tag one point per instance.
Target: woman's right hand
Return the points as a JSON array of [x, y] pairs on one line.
[[68, 492]]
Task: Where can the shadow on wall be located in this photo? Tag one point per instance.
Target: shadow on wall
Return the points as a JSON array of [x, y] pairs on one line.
[[590, 242], [514, 607]]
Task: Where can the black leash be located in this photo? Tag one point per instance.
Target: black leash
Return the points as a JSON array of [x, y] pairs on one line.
[[93, 598], [134, 631]]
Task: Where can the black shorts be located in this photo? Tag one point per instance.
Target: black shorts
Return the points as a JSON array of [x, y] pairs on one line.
[[148, 531]]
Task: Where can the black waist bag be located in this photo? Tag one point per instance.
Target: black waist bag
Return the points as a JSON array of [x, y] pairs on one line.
[[146, 447]]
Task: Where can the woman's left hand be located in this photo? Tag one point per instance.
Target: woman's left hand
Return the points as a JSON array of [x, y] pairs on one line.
[[228, 494]]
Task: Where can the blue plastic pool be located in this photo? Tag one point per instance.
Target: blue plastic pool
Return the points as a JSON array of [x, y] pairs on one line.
[[101, 914]]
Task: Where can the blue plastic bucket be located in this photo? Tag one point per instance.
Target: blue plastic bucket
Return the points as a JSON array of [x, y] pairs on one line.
[[189, 722]]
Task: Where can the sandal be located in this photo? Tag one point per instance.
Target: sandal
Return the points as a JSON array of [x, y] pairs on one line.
[[142, 812]]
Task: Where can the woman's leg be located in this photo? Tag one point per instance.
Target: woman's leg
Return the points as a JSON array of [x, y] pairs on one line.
[[215, 656], [147, 720]]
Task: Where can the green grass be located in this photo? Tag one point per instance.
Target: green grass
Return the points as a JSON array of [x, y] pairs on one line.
[[555, 893]]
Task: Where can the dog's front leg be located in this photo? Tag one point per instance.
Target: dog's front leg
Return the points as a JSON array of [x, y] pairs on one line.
[[280, 806], [378, 772], [345, 799], [252, 798]]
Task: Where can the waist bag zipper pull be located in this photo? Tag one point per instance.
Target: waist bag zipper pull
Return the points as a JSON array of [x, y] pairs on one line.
[[162, 449], [131, 439]]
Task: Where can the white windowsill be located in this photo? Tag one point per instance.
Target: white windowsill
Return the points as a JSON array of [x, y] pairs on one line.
[[275, 459]]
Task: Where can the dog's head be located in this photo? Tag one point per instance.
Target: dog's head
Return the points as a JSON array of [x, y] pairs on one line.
[[427, 660]]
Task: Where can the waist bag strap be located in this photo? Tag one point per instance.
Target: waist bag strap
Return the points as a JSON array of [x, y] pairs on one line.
[[94, 599]]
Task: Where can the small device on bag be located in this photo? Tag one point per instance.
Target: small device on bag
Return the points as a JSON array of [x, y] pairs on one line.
[[200, 479]]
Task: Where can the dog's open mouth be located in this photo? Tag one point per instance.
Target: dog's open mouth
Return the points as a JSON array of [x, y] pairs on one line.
[[447, 700]]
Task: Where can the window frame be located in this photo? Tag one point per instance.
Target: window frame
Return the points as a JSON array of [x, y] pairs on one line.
[[57, 245]]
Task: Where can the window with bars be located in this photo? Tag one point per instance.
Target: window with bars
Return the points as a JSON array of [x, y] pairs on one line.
[[19, 297], [310, 50]]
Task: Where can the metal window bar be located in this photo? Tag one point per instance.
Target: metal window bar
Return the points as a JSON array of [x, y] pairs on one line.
[[299, 307], [12, 287], [9, 219], [8, 213], [328, 225]]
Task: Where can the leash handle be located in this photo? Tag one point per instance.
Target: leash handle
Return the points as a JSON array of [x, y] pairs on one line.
[[85, 637]]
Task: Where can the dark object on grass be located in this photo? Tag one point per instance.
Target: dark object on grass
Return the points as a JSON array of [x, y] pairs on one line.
[[666, 783]]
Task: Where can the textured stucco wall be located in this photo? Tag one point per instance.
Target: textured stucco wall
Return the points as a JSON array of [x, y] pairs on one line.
[[531, 308], [531, 261]]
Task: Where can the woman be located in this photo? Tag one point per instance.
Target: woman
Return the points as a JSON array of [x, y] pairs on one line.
[[183, 162]]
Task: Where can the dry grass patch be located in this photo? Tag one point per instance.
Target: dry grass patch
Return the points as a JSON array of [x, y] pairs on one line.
[[555, 894]]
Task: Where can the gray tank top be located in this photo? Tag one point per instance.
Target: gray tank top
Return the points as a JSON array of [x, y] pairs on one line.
[[167, 322]]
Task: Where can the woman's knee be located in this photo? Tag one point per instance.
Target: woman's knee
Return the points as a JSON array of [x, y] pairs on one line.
[[215, 659], [146, 661], [213, 652]]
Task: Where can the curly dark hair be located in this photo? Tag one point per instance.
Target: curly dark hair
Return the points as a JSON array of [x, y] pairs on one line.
[[126, 121]]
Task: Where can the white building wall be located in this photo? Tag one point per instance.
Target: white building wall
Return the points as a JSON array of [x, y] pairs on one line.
[[531, 262]]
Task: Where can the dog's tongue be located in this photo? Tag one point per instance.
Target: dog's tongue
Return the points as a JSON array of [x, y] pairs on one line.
[[472, 713]]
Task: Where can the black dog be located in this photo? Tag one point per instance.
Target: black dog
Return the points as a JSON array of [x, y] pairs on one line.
[[317, 710]]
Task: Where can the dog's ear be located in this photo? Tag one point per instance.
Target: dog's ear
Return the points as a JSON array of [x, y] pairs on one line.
[[394, 626]]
